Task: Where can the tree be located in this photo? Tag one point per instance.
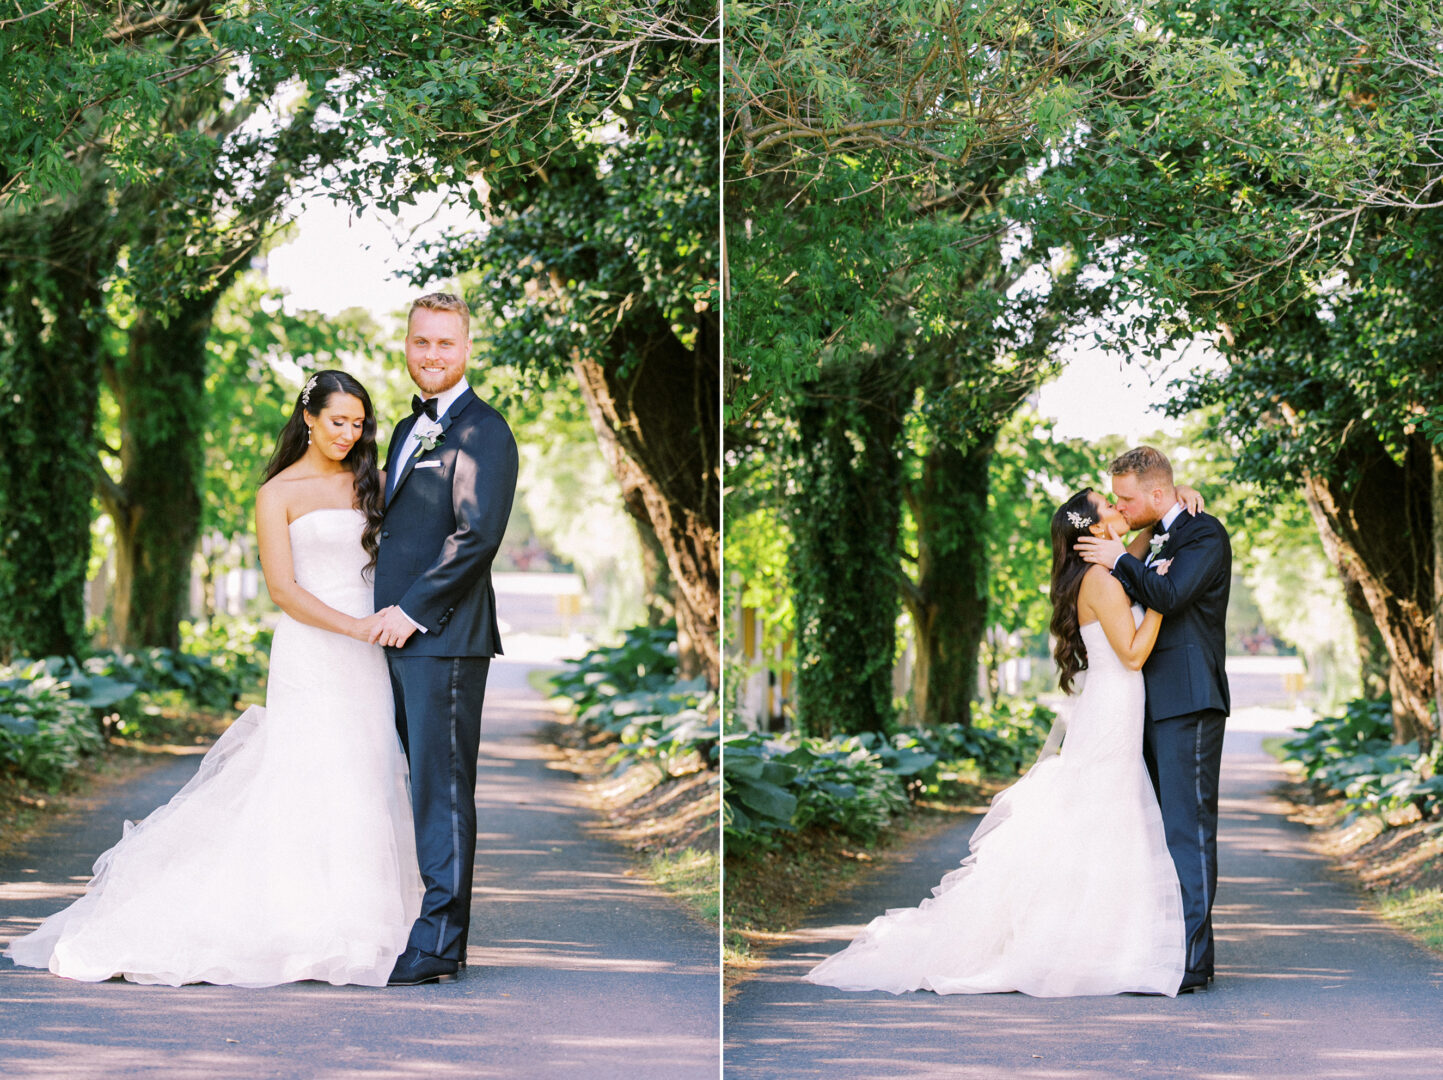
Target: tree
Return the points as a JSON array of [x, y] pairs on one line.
[[1294, 217], [873, 153], [584, 138], [50, 347], [924, 86], [53, 260], [498, 93], [163, 237], [1333, 405]]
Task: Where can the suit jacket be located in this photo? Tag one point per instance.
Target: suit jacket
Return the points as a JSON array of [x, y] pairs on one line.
[[1187, 669], [442, 528]]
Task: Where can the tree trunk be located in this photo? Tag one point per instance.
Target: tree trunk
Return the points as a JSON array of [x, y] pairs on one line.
[[949, 601], [1374, 663], [48, 398], [1375, 518], [159, 386], [1437, 620], [655, 400], [845, 507], [660, 590]]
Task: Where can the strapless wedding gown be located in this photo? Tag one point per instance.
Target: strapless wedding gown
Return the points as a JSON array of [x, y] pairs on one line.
[[1068, 888], [290, 855]]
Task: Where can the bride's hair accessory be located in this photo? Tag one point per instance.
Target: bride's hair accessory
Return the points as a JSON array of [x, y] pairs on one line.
[[306, 393], [1077, 520]]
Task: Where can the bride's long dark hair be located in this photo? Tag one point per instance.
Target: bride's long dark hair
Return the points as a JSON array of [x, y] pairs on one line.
[[360, 459], [1068, 568]]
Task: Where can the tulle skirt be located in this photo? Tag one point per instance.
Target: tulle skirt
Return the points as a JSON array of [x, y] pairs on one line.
[[289, 855], [1068, 890]]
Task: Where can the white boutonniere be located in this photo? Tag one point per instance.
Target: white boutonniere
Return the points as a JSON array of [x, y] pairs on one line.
[[1155, 545], [430, 442]]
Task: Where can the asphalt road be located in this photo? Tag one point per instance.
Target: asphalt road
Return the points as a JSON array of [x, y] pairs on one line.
[[576, 968], [1308, 984]]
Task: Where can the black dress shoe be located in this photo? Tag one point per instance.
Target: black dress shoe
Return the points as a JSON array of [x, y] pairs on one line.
[[415, 967], [1193, 981]]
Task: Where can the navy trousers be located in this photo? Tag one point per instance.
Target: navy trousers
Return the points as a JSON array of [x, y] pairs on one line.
[[438, 716], [1184, 756]]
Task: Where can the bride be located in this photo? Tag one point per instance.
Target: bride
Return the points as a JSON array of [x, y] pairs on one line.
[[290, 855], [1068, 888]]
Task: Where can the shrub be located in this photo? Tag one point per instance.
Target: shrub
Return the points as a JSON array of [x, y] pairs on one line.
[[237, 646], [128, 691], [856, 785], [43, 732], [757, 798], [1002, 740], [1353, 756], [845, 787], [775, 785], [645, 660], [630, 691]]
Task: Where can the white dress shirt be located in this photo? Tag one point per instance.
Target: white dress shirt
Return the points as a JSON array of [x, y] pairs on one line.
[[1171, 516], [424, 425]]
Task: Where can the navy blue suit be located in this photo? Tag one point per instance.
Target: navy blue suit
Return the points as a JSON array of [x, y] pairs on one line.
[[443, 526], [1187, 707]]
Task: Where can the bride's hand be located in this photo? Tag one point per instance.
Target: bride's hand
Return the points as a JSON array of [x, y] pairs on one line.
[[364, 628], [1191, 499]]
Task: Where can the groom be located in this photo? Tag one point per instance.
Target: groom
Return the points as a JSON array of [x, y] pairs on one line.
[[450, 478], [1185, 576]]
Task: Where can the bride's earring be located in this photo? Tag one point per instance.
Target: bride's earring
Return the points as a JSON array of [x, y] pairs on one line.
[[308, 434]]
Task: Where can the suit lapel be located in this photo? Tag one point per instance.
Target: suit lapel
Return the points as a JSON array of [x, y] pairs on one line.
[[1181, 522], [460, 405], [398, 441]]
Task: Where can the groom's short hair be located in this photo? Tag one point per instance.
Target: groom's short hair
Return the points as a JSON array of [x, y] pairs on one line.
[[1150, 466], [442, 301]]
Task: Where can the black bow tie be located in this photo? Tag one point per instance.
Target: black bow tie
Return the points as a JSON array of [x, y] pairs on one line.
[[418, 406]]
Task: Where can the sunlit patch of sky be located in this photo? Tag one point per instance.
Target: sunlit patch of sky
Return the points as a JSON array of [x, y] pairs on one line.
[[337, 259], [1102, 391]]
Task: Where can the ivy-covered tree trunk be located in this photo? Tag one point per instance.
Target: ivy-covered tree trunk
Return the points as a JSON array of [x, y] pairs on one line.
[[845, 505], [159, 385], [1377, 527], [660, 590], [657, 400], [1436, 491], [48, 397], [948, 602]]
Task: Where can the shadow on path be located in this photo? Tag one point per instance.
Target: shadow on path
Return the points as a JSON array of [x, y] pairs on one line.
[[576, 968], [1308, 984]]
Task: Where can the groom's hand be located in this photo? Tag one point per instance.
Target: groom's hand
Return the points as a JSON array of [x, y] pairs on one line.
[[1102, 550], [394, 629]]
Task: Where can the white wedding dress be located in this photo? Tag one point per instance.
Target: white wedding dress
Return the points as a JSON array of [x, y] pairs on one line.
[[1068, 889], [290, 855]]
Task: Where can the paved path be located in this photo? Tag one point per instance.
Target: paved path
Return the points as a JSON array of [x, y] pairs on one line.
[[1308, 985], [577, 969]]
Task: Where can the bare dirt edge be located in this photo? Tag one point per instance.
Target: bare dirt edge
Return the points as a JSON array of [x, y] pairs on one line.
[[641, 810], [1383, 856]]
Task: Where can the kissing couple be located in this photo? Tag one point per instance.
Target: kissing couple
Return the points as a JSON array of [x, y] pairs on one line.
[[331, 834], [1095, 873]]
